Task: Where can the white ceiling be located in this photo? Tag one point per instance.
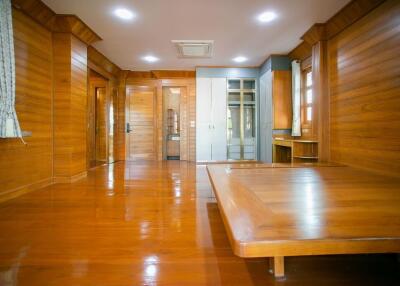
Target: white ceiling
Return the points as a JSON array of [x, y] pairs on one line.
[[232, 24]]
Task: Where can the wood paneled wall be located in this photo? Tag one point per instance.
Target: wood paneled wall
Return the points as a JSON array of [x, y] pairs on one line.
[[364, 86], [26, 167], [70, 103]]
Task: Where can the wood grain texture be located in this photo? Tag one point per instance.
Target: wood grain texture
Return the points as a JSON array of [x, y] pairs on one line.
[[289, 211], [27, 167], [163, 74], [70, 105], [102, 65], [282, 99], [349, 14], [141, 106], [320, 90], [301, 51], [43, 15], [149, 224], [364, 91], [188, 109]]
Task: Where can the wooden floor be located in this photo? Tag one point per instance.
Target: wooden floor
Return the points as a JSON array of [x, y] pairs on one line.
[[148, 224]]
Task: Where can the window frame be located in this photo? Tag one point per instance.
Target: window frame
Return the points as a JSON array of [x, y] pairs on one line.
[[306, 125]]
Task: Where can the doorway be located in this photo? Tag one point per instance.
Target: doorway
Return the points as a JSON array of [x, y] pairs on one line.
[[141, 124], [171, 122], [102, 120]]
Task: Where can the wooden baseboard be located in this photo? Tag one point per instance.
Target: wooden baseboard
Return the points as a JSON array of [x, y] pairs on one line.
[[67, 180], [11, 194]]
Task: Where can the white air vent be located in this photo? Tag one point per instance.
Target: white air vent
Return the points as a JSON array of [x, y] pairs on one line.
[[194, 49]]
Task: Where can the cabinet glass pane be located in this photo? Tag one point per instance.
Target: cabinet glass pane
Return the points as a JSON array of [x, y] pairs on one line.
[[249, 96], [233, 122], [249, 84], [234, 96], [234, 84], [249, 121]]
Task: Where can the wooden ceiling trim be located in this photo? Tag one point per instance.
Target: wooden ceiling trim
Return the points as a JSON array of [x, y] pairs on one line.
[[72, 24], [349, 14], [37, 10], [316, 33], [101, 64], [162, 74], [301, 52], [46, 17]]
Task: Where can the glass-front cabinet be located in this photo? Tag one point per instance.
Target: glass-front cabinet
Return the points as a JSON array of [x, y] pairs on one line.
[[241, 119]]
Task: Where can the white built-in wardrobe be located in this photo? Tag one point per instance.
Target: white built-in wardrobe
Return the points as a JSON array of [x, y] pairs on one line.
[[211, 126]]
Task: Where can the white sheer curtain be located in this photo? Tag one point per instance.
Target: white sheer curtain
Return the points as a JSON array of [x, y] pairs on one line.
[[296, 124], [9, 126]]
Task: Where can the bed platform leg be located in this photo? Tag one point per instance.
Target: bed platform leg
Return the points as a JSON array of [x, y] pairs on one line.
[[271, 265], [279, 266]]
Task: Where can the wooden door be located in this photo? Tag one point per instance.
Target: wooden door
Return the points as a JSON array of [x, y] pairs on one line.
[[141, 138]]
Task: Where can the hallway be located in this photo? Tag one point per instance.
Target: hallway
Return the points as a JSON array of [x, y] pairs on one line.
[[150, 224]]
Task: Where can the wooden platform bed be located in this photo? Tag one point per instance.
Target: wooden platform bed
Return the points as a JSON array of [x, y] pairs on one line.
[[280, 210]]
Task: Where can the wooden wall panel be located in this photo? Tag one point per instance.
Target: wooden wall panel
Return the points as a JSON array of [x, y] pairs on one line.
[[25, 167], [364, 76], [70, 100], [282, 99]]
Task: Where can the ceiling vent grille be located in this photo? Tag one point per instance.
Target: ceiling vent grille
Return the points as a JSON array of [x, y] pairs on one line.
[[194, 49]]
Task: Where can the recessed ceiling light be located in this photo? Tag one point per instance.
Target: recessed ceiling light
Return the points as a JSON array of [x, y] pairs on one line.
[[150, 59], [267, 16], [240, 59], [124, 14]]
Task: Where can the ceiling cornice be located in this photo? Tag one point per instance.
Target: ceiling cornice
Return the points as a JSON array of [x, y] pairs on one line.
[[56, 23], [346, 16]]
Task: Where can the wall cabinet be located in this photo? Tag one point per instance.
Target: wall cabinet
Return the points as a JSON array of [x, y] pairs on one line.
[[211, 119], [242, 119]]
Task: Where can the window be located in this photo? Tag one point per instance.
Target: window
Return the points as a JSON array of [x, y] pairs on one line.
[[307, 102]]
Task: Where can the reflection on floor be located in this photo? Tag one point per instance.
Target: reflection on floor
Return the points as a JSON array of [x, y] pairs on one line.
[[148, 224]]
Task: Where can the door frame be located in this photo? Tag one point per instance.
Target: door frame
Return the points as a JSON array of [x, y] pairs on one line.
[[93, 84], [133, 88]]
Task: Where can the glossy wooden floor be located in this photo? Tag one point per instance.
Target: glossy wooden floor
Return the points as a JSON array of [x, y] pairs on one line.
[[148, 224]]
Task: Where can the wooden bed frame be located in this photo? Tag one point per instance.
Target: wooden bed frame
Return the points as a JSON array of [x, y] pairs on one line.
[[278, 210]]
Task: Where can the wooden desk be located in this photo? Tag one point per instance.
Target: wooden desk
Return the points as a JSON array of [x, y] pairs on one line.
[[277, 211], [290, 150]]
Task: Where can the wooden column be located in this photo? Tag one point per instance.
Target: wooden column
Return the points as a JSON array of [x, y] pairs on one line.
[[321, 93], [121, 114], [70, 103], [316, 37]]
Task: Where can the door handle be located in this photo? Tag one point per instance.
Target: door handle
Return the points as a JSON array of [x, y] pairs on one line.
[[128, 128]]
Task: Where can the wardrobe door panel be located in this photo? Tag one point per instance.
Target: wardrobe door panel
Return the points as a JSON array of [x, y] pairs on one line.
[[218, 117], [203, 119]]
